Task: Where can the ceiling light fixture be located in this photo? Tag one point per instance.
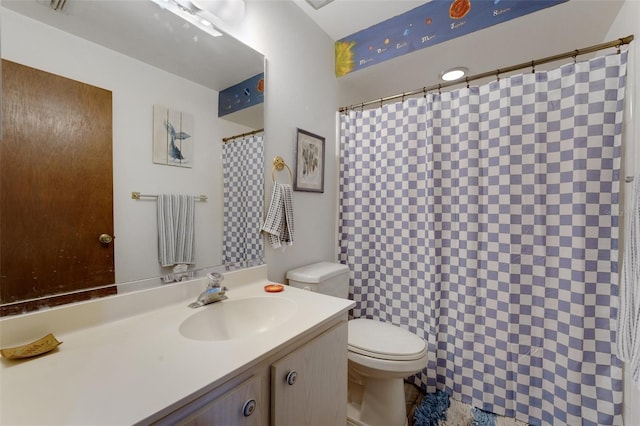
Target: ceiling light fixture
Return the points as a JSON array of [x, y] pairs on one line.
[[227, 11], [454, 74], [57, 4], [203, 13]]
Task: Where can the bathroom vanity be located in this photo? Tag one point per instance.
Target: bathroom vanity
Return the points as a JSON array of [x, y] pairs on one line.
[[256, 358]]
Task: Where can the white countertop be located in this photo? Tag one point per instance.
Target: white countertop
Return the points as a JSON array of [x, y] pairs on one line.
[[124, 370]]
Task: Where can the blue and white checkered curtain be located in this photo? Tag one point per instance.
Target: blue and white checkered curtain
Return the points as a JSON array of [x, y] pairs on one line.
[[485, 221], [243, 168]]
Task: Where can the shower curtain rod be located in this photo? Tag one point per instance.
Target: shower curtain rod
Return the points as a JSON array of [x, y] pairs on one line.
[[573, 54], [241, 135]]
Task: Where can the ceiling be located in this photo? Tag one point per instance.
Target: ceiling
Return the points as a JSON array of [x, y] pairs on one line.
[[561, 28], [342, 18], [142, 30]]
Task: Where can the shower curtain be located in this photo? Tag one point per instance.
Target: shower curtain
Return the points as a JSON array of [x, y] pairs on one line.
[[243, 177], [484, 220]]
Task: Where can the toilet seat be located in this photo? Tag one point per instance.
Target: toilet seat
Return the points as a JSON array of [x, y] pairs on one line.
[[384, 341]]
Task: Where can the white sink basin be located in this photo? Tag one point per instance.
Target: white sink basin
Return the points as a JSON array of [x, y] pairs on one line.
[[236, 319]]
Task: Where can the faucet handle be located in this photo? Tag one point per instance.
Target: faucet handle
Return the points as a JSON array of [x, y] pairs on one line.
[[215, 279]]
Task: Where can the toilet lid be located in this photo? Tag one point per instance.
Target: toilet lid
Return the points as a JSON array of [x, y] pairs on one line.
[[384, 341]]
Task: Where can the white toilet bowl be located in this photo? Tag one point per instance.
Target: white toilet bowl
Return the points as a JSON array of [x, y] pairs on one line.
[[381, 355]]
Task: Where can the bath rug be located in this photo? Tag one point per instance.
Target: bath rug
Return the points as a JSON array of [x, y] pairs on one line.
[[437, 409]]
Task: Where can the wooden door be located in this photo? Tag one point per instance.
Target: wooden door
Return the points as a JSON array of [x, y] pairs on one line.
[[56, 185]]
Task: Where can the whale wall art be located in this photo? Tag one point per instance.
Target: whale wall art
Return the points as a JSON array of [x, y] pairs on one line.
[[172, 137]]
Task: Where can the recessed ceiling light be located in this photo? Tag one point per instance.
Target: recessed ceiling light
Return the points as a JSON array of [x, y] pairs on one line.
[[453, 74]]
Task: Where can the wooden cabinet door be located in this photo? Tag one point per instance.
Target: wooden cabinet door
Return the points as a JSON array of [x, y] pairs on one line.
[[241, 406], [56, 184], [309, 386]]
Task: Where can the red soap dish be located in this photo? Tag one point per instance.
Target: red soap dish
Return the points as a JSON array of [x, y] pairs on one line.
[[273, 288]]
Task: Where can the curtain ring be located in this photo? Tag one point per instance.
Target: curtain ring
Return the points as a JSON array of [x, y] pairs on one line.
[[498, 74], [439, 89], [362, 107], [467, 80], [575, 56], [424, 92], [620, 45], [533, 67]]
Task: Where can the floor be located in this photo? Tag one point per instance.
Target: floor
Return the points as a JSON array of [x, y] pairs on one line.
[[459, 413], [413, 398]]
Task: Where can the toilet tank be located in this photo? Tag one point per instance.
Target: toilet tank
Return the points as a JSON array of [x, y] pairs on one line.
[[325, 277]]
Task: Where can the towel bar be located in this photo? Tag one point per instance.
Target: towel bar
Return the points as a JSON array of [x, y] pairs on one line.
[[137, 196], [279, 164]]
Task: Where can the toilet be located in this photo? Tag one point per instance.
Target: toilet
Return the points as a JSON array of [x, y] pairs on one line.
[[381, 354]]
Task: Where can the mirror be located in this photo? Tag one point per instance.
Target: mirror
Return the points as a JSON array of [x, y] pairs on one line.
[[145, 56]]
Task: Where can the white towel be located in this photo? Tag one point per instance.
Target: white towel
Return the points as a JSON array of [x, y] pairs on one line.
[[176, 230], [628, 332], [279, 222]]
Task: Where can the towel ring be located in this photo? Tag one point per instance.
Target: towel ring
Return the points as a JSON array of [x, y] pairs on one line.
[[279, 164]]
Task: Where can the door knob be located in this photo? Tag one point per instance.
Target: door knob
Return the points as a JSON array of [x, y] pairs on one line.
[[105, 238]]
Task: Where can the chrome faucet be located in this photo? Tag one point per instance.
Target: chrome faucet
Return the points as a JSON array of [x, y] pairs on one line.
[[213, 293]]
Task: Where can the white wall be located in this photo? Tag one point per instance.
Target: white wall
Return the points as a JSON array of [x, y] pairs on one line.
[[136, 87], [300, 92]]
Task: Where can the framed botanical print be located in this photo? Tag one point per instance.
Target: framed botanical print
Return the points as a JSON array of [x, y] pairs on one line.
[[309, 162]]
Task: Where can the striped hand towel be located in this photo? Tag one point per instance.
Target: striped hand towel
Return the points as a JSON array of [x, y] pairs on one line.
[[279, 222], [176, 230], [628, 332]]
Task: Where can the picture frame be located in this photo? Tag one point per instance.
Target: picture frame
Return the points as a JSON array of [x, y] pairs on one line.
[[172, 137], [310, 157]]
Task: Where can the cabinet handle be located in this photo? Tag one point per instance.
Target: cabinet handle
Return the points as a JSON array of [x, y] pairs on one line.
[[249, 407], [291, 377]]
